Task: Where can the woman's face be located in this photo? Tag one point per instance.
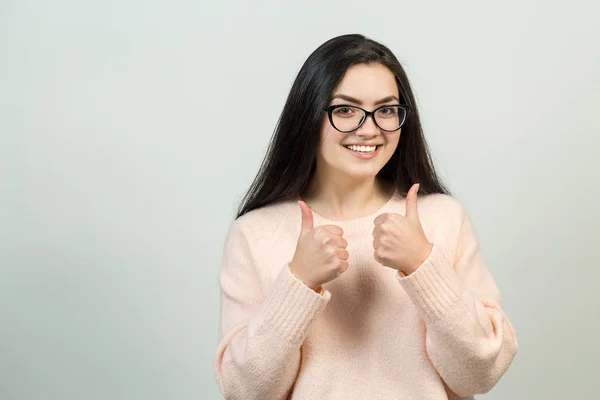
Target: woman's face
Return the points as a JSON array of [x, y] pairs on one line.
[[369, 87]]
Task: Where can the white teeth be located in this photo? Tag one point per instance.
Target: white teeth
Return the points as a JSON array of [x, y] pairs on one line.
[[363, 149]]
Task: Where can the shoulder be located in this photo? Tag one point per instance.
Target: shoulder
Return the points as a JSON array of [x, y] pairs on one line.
[[442, 205], [265, 223], [443, 215]]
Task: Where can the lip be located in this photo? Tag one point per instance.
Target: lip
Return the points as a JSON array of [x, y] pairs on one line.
[[364, 156]]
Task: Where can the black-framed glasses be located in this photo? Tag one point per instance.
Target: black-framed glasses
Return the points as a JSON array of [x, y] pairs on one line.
[[347, 118]]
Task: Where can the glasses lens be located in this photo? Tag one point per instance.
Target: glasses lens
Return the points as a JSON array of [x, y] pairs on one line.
[[347, 118], [390, 118]]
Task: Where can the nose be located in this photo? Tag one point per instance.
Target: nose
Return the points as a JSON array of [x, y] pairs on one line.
[[368, 128]]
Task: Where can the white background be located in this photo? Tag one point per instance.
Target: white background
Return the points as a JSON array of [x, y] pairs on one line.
[[129, 131]]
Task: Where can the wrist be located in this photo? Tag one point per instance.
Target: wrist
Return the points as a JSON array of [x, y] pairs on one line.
[[316, 288], [424, 255]]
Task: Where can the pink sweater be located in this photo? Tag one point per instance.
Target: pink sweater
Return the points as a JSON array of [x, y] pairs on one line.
[[439, 333]]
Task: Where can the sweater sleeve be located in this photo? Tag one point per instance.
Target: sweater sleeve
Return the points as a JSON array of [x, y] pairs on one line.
[[260, 336], [470, 340]]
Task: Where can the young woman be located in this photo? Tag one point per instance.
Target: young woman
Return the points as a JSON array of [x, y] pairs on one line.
[[350, 272]]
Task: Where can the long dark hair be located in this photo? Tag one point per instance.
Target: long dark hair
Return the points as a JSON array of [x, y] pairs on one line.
[[290, 160]]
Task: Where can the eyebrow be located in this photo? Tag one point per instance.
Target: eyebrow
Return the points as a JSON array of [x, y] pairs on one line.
[[353, 100]]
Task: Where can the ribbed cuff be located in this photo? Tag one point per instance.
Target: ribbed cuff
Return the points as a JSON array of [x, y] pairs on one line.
[[434, 287], [291, 307]]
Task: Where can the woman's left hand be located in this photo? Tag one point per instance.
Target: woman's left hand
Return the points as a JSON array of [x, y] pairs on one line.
[[399, 241]]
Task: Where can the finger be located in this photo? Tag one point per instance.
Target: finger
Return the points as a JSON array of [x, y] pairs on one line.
[[344, 265], [411, 202], [379, 219], [343, 254], [376, 257], [338, 241], [344, 243], [333, 229], [307, 217]]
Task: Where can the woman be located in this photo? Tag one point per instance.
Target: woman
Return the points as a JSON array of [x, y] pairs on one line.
[[350, 272]]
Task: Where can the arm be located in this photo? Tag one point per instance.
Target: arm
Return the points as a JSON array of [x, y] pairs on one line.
[[258, 355], [469, 339]]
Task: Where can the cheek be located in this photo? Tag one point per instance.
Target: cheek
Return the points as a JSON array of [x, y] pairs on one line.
[[330, 146], [393, 139], [392, 144]]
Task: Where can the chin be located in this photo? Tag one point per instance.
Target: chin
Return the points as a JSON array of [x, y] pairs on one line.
[[363, 173]]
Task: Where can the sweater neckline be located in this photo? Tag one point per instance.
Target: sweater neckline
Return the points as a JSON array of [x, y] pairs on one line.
[[360, 226]]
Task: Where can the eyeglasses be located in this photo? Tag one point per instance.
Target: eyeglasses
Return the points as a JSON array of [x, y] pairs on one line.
[[347, 118]]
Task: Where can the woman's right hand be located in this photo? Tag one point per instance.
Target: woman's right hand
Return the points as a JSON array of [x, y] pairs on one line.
[[321, 254]]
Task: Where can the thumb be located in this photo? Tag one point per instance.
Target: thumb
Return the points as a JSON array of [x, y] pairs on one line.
[[307, 217], [411, 202]]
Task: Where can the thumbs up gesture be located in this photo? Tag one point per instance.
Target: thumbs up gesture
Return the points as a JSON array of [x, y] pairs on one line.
[[399, 241], [321, 254]]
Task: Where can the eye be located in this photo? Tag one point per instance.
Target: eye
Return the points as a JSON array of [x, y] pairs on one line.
[[344, 111], [388, 110]]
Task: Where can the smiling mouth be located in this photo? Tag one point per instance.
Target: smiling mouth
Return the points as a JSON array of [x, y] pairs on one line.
[[363, 149]]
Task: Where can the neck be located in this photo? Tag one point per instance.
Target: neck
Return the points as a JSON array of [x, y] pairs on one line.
[[344, 197]]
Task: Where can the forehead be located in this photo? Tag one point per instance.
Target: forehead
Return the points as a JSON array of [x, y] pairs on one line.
[[368, 82]]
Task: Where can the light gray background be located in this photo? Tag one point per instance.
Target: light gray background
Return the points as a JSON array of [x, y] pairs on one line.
[[130, 129]]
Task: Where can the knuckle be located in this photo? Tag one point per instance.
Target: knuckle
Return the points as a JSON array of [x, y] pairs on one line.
[[343, 255], [344, 266]]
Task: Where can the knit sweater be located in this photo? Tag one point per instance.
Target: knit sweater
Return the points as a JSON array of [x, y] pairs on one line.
[[372, 333]]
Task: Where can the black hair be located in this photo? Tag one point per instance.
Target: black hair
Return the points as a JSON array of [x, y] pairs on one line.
[[290, 160]]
